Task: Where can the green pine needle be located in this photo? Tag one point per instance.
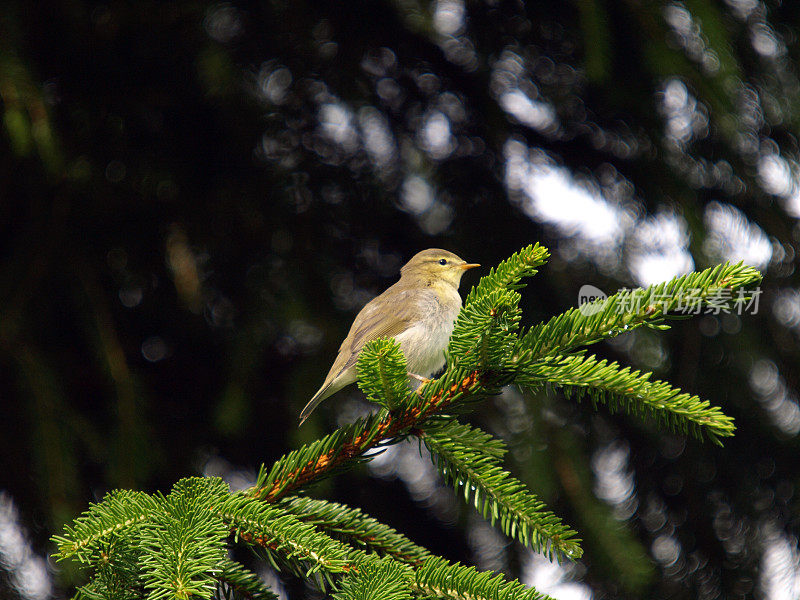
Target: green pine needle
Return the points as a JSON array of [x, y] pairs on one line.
[[382, 373], [352, 526], [477, 440], [630, 391], [377, 580], [118, 513], [117, 573], [439, 578], [497, 495], [300, 467], [282, 535], [234, 577], [629, 309], [509, 273], [184, 545], [485, 330]]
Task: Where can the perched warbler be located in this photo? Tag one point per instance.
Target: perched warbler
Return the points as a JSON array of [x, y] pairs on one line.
[[419, 311]]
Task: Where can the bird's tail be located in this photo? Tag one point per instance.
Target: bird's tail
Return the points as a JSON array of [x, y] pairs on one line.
[[314, 403]]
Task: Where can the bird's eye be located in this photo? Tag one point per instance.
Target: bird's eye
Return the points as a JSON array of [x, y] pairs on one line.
[[442, 261]]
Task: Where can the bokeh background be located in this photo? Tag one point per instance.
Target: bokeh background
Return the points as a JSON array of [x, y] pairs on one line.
[[197, 197]]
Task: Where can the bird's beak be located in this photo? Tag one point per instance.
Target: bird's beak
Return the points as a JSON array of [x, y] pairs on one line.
[[466, 266]]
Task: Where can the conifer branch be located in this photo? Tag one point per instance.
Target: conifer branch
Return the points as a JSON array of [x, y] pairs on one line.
[[184, 543], [439, 578], [351, 442], [629, 309], [473, 437], [244, 582], [377, 580], [632, 392], [175, 546], [496, 494], [117, 573], [485, 330], [510, 272], [353, 526], [382, 373], [119, 511], [283, 535]]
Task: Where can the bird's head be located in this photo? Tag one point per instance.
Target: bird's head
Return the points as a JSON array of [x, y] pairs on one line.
[[436, 266]]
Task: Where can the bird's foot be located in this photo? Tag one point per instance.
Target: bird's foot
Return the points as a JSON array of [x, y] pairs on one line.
[[423, 382]]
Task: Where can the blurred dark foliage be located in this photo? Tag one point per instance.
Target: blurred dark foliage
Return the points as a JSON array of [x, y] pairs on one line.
[[196, 198]]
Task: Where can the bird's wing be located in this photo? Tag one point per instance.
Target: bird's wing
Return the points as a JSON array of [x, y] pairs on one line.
[[387, 315]]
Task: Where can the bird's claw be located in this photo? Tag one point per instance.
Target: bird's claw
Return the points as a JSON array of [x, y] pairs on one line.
[[423, 381], [420, 378]]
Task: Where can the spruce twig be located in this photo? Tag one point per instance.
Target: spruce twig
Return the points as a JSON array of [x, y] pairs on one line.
[[352, 442], [497, 495], [353, 526], [631, 391]]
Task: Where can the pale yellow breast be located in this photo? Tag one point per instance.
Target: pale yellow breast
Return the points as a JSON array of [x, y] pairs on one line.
[[424, 343]]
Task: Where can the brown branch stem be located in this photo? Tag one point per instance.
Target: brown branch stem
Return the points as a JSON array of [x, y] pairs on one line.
[[390, 427]]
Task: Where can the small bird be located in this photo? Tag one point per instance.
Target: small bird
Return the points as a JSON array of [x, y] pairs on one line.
[[419, 311]]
